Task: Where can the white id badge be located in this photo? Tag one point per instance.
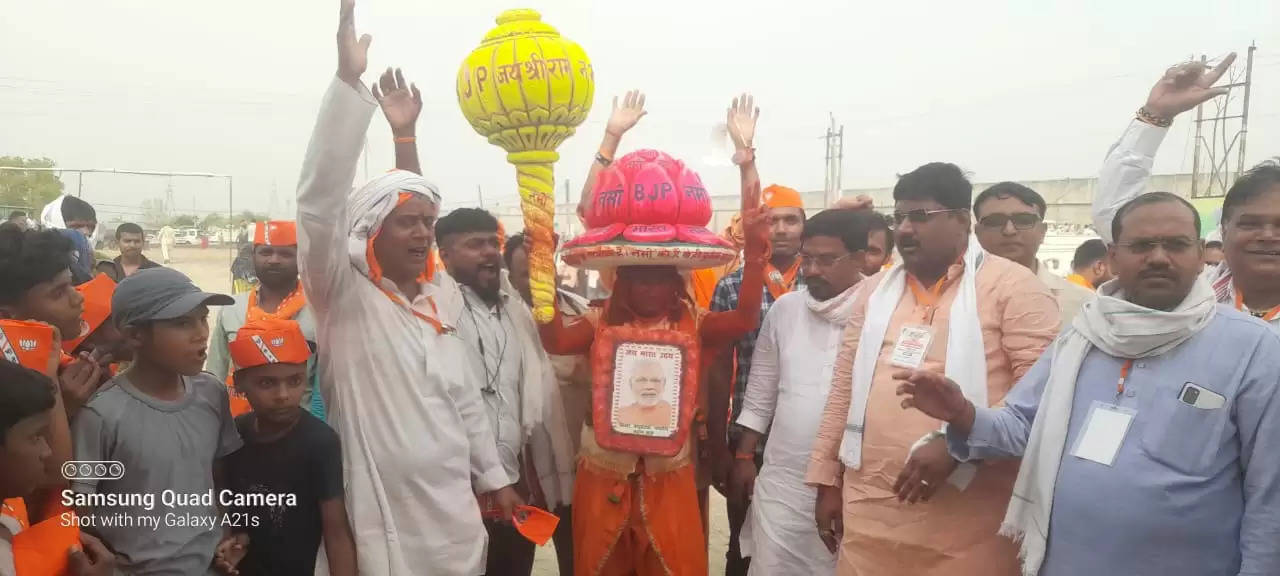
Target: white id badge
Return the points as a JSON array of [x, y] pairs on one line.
[[912, 346], [1103, 433]]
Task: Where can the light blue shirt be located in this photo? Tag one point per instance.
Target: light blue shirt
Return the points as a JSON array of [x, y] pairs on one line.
[[1192, 492]]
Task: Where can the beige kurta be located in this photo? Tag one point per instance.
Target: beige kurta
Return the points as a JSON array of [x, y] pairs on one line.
[[1070, 296], [954, 534]]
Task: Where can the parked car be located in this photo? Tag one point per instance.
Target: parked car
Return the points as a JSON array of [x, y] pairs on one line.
[[186, 237]]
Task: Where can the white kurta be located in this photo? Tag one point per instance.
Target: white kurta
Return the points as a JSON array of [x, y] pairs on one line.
[[413, 427], [785, 396]]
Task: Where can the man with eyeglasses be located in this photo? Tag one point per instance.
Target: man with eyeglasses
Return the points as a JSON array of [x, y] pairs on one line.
[[951, 308], [786, 392], [1248, 278], [727, 379], [1011, 224], [1150, 433]]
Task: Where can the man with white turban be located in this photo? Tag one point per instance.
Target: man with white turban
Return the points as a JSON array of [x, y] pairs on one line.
[[413, 427]]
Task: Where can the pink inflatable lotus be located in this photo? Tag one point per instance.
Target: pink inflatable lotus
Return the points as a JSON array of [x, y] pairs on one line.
[[648, 209]]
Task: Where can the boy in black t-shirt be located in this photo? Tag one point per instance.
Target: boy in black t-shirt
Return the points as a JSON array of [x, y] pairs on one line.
[[288, 475]]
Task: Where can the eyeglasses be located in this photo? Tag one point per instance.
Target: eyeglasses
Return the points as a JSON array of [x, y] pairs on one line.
[[919, 216], [1021, 221], [1246, 223], [821, 260], [1174, 245]]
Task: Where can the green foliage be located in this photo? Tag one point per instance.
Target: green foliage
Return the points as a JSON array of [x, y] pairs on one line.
[[30, 189], [213, 220]]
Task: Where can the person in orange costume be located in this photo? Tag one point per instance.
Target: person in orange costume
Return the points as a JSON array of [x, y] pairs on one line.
[[636, 514]]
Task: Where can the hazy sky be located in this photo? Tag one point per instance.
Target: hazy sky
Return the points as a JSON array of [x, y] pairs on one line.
[[1017, 89]]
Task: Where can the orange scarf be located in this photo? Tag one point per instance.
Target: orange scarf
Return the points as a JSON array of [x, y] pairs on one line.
[[1267, 316], [288, 308], [779, 283]]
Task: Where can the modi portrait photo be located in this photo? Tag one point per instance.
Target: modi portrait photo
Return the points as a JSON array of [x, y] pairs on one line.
[[646, 390]]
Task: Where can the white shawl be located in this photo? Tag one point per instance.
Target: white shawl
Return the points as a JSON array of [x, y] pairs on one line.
[[966, 357], [839, 308], [1120, 329]]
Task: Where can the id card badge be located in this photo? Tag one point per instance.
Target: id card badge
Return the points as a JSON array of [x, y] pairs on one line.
[[912, 347], [1103, 433]]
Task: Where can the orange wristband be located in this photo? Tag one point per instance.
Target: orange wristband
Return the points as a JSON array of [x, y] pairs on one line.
[[406, 140], [741, 456]]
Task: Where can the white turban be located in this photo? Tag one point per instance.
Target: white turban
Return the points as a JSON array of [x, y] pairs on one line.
[[370, 205]]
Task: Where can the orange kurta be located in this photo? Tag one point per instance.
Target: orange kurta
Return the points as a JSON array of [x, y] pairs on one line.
[[954, 534], [631, 513], [640, 515]]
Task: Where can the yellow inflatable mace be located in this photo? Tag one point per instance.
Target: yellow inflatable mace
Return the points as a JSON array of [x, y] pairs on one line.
[[525, 89]]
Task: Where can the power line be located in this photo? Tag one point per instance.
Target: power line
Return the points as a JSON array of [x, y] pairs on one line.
[[1223, 148], [835, 161]]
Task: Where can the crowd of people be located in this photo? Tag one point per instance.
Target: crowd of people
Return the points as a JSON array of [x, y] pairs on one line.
[[913, 394]]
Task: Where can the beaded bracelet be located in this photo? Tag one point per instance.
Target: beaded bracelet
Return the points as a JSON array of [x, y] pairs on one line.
[[1146, 116]]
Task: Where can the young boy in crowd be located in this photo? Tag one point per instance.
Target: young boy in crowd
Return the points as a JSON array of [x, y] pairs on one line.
[[168, 424], [35, 280], [36, 286], [27, 405], [286, 451]]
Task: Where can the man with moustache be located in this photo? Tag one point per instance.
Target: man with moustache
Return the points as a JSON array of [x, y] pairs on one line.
[[728, 377], [278, 296], [1249, 276], [415, 437], [515, 378], [949, 307], [1011, 224], [1173, 469], [786, 393]]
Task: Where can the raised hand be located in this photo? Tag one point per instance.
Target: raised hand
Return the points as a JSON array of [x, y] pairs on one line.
[[935, 395], [353, 54], [741, 121], [626, 115], [401, 102], [755, 226], [855, 203], [1186, 86]]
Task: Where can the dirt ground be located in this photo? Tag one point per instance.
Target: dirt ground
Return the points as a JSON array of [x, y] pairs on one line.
[[210, 269]]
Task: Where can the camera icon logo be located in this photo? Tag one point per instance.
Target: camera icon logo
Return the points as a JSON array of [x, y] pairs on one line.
[[92, 470]]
